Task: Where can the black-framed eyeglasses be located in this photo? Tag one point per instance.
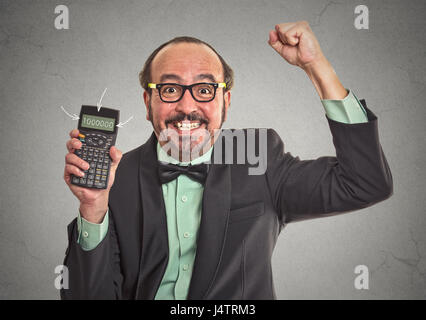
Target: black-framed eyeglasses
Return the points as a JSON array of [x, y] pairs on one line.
[[173, 92]]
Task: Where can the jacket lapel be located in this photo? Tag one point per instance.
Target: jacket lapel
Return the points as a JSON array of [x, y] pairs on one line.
[[213, 227], [154, 237]]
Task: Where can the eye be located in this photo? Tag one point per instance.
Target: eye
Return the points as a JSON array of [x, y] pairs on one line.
[[205, 90], [170, 90]]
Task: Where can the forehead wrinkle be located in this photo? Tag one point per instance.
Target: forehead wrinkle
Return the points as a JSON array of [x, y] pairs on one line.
[[171, 76], [199, 77]]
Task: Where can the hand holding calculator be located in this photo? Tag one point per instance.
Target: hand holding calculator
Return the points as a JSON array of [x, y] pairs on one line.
[[97, 133], [92, 160]]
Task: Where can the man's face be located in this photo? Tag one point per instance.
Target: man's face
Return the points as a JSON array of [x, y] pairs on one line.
[[187, 63]]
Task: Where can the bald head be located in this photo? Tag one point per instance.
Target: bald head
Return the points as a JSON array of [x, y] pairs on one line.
[[188, 43]]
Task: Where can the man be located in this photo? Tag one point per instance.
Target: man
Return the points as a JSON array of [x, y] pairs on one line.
[[172, 227]]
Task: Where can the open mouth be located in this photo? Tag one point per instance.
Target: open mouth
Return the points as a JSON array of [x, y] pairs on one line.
[[186, 126]]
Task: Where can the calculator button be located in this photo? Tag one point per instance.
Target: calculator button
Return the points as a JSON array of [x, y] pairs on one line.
[[92, 165], [103, 178], [99, 166], [75, 179]]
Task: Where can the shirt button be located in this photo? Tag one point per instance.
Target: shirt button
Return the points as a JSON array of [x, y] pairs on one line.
[[186, 235], [185, 267], [85, 234], [184, 198]]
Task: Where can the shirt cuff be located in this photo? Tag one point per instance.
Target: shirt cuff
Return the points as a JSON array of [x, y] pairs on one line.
[[91, 234], [348, 110]]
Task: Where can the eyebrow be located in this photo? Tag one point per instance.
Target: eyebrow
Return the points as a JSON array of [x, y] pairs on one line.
[[201, 76]]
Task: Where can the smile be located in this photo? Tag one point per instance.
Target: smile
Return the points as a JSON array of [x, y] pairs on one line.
[[186, 125]]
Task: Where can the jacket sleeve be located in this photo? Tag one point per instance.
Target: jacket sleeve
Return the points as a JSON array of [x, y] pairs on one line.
[[359, 175], [93, 274]]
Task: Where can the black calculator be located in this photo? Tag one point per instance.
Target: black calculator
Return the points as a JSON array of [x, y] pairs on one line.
[[98, 132]]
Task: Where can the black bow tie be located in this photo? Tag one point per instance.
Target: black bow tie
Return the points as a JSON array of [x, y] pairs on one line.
[[168, 172]]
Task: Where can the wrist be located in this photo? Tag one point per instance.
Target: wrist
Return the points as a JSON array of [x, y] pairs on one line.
[[93, 213], [317, 66], [324, 79]]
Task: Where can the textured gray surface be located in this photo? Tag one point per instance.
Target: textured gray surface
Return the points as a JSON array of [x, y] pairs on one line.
[[43, 68]]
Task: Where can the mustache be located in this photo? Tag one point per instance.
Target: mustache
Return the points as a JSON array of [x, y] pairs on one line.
[[193, 116]]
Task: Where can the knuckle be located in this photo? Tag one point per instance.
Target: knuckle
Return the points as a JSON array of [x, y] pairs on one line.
[[68, 157], [76, 143]]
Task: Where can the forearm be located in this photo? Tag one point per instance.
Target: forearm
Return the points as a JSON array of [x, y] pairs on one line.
[[324, 79]]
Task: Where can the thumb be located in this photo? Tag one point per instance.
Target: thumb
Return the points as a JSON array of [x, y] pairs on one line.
[[116, 156], [275, 42]]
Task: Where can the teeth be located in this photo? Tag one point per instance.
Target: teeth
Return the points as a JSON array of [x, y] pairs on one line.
[[187, 125]]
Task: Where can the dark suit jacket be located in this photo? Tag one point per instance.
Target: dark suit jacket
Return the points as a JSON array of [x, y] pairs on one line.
[[242, 216]]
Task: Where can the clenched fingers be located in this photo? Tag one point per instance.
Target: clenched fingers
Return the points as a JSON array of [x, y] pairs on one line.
[[73, 159], [73, 144]]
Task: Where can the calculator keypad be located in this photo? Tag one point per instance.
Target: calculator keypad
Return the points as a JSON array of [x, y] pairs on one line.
[[95, 151]]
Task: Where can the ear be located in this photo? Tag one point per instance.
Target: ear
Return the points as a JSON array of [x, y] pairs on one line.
[[227, 98], [146, 99]]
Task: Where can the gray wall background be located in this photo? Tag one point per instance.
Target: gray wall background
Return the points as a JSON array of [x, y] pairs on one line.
[[43, 68]]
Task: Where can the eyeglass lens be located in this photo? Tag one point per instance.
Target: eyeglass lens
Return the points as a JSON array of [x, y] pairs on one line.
[[201, 92]]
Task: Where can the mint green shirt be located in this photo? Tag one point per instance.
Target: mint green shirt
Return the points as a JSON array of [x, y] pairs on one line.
[[183, 200]]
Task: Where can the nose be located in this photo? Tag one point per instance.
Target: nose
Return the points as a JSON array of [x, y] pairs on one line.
[[187, 104]]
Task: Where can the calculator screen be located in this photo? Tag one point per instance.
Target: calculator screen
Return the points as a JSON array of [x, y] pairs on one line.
[[96, 122]]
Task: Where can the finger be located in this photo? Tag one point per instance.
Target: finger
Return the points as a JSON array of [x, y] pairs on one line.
[[73, 159], [67, 177], [71, 169], [73, 144], [274, 41], [74, 133], [288, 35]]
